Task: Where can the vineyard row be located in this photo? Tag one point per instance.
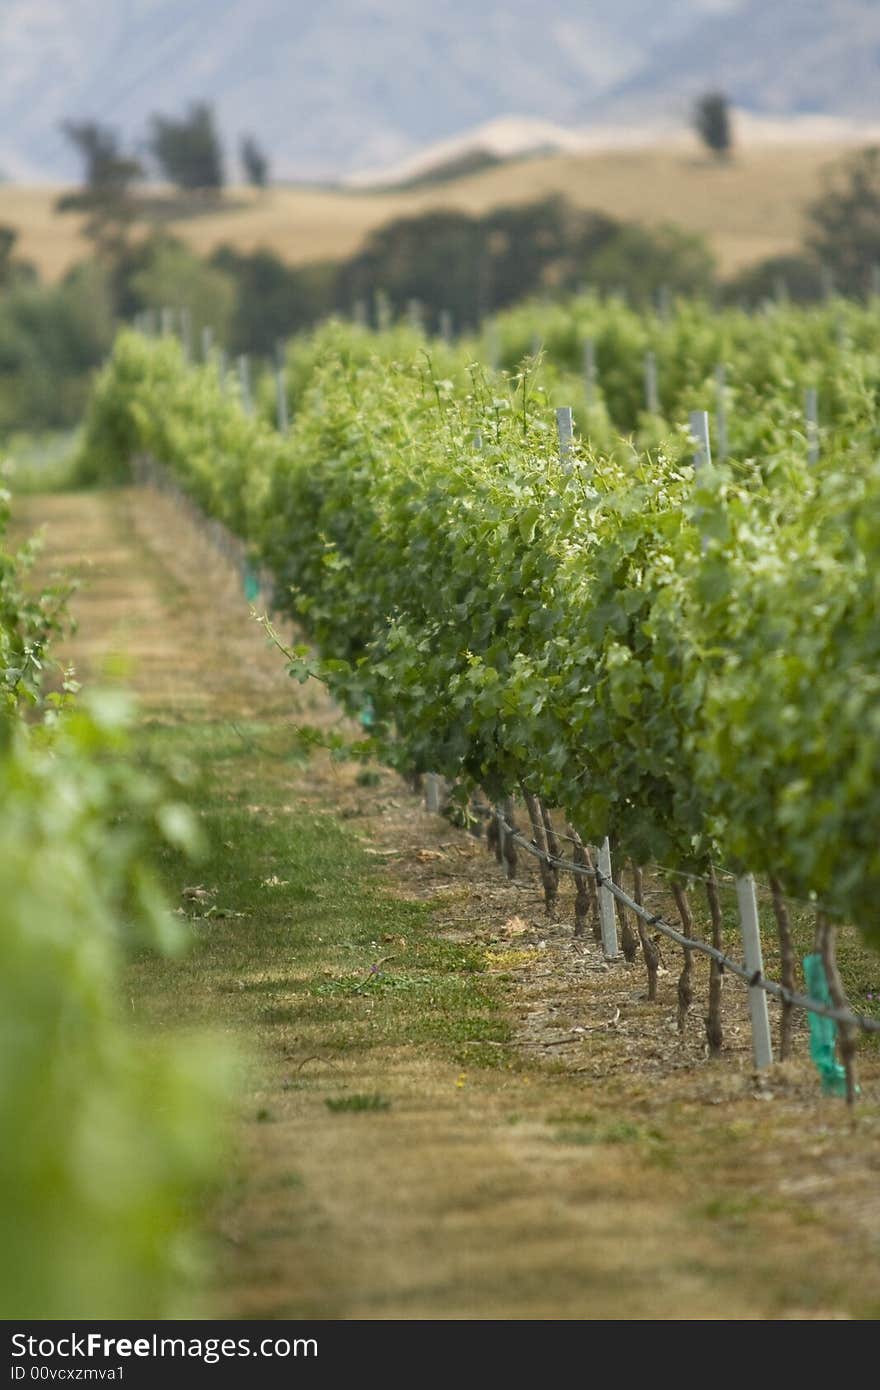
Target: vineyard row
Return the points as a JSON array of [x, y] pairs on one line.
[[683, 661]]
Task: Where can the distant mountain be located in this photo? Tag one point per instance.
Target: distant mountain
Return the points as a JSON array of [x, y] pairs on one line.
[[787, 57], [335, 87]]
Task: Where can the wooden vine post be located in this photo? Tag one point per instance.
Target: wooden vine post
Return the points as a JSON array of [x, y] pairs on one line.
[[607, 923], [565, 434], [244, 381], [185, 318], [281, 399], [787, 958], [699, 426], [590, 374], [382, 310], [754, 961], [433, 793], [607, 916]]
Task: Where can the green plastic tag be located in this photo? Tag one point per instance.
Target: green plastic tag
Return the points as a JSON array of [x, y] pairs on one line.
[[823, 1031], [251, 585]]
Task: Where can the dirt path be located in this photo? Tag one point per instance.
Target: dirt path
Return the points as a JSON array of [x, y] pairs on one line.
[[605, 1171]]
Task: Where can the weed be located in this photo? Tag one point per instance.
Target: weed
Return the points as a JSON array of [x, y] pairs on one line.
[[357, 1103], [732, 1208], [585, 1129], [572, 1117]]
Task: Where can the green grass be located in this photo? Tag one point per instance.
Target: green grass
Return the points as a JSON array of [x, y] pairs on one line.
[[291, 1181], [617, 1132], [572, 1117], [298, 934], [357, 1103], [733, 1208], [586, 1129], [332, 914]]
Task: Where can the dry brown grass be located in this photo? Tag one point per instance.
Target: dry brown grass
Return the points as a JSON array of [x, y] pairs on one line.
[[750, 209]]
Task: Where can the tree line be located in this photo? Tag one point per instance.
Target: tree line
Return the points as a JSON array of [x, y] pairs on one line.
[[187, 151], [450, 268]]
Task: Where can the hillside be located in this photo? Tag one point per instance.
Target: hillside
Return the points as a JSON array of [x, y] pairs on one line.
[[328, 88], [349, 85], [750, 209]]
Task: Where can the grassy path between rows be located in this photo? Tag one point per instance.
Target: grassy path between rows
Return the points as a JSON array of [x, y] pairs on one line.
[[420, 1129]]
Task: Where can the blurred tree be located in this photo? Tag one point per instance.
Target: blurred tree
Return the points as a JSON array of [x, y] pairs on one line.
[[106, 192], [188, 151], [51, 337], [844, 224], [254, 162], [106, 167], [272, 300], [646, 260], [433, 258], [540, 246], [472, 266], [797, 278], [171, 276], [8, 238], [12, 270], [712, 123]]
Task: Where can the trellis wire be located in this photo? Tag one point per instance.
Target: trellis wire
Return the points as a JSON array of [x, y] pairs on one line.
[[754, 979], [813, 904]]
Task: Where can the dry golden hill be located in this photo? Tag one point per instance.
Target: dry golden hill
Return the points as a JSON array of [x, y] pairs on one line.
[[749, 209]]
